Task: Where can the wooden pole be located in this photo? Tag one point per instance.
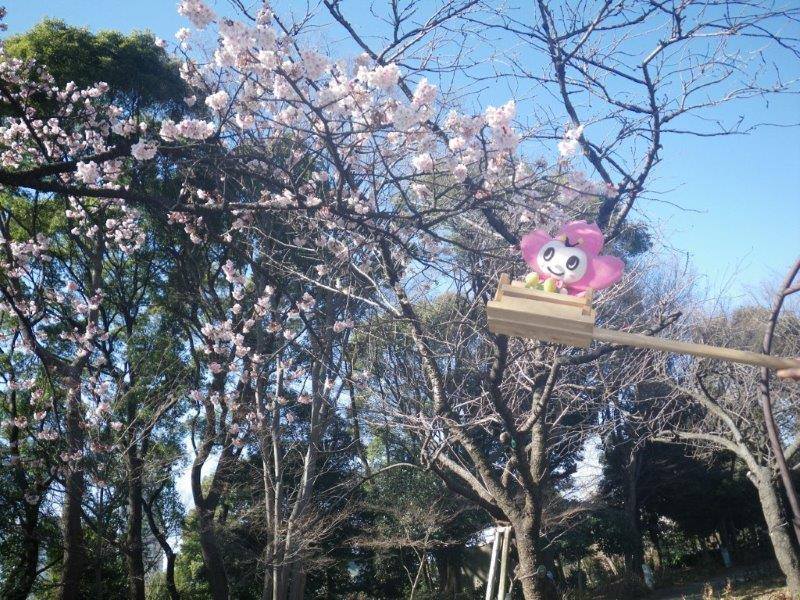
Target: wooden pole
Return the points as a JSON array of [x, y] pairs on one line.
[[639, 340], [563, 319], [493, 564], [501, 589]]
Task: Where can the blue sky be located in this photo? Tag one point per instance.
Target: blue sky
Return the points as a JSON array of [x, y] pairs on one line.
[[732, 203]]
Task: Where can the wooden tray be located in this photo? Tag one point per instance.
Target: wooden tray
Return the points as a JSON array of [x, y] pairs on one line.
[[563, 319]]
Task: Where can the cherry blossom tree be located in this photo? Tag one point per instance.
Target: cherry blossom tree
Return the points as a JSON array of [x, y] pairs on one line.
[[61, 258]]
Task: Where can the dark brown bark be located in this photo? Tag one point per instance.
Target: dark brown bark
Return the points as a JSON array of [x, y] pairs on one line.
[[170, 577], [634, 559], [766, 403], [206, 504], [172, 589], [20, 579], [134, 548], [206, 507], [527, 526], [779, 532], [74, 559], [212, 556], [297, 585], [526, 537], [74, 551], [447, 570]]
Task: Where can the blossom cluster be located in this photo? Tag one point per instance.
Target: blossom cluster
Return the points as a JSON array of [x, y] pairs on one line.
[[191, 129], [355, 163]]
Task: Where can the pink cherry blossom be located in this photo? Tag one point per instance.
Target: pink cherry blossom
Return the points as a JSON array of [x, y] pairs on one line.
[[570, 144], [382, 77], [218, 101], [197, 12], [314, 63], [424, 94], [88, 173], [143, 150], [423, 162]]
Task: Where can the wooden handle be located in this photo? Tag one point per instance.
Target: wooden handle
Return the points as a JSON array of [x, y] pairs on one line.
[[740, 356]]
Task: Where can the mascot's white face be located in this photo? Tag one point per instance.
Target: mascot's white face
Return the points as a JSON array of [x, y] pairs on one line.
[[560, 261], [572, 258]]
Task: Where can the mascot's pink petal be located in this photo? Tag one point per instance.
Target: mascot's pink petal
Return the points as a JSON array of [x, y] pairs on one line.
[[530, 246], [590, 235], [603, 271]]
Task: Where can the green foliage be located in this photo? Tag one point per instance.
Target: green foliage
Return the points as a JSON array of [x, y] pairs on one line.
[[12, 539], [703, 497], [189, 569], [156, 587], [613, 532], [105, 575], [607, 528], [137, 71], [408, 511]]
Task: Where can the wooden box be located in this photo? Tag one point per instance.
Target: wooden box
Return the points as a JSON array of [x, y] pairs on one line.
[[517, 310], [559, 318]]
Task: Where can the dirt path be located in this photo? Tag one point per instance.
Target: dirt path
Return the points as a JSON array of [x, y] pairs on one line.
[[689, 591]]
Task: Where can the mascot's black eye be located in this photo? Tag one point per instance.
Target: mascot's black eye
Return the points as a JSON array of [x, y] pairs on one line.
[[573, 262], [548, 254]]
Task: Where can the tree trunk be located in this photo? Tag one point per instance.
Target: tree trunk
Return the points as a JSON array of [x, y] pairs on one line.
[[134, 546], [779, 535], [278, 579], [97, 585], [266, 589], [634, 558], [527, 541], [527, 529], [655, 540], [74, 559], [170, 576], [21, 577], [292, 577], [269, 553], [212, 557], [446, 569], [561, 573], [297, 583], [206, 504], [164, 543]]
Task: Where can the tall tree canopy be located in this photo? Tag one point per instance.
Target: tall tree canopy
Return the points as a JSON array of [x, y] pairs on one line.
[[140, 74]]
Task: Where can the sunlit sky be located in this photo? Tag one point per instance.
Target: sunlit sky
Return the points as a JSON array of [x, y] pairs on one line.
[[732, 203]]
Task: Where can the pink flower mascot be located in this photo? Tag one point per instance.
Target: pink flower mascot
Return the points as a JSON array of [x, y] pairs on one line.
[[570, 263]]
